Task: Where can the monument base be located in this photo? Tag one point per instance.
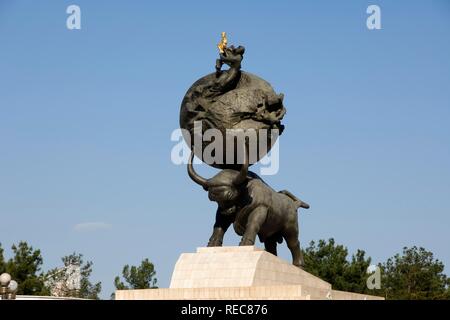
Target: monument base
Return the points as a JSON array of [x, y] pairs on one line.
[[240, 273]]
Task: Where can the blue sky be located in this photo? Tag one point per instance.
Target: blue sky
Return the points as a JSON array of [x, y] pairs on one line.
[[86, 117]]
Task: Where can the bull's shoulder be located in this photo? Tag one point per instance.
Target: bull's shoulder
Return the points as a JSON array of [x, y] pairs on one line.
[[259, 191]]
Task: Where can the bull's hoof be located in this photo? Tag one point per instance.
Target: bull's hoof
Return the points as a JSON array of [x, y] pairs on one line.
[[246, 242], [215, 243]]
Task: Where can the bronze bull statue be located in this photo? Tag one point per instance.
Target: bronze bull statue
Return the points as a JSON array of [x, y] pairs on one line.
[[253, 208]]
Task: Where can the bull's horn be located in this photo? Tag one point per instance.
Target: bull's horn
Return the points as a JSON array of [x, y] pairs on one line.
[[242, 176], [194, 176]]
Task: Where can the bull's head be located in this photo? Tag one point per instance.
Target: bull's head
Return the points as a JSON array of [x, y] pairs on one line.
[[224, 188]]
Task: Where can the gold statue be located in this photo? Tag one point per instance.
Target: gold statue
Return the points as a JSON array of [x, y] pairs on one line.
[[223, 43], [230, 56]]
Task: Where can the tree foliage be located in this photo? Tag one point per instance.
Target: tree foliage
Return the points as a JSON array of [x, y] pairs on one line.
[[25, 268], [414, 275], [328, 261], [140, 277], [2, 261], [73, 280]]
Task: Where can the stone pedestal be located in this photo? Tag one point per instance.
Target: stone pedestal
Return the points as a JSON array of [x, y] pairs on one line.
[[229, 273]]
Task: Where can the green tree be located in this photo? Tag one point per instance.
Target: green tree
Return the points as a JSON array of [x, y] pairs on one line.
[[357, 274], [2, 261], [414, 275], [328, 261], [141, 277], [73, 280], [25, 268]]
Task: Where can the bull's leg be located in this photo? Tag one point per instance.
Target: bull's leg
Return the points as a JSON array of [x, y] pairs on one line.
[[271, 245], [220, 227], [254, 223], [291, 237]]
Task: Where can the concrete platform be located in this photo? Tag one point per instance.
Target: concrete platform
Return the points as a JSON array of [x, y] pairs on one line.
[[240, 273]]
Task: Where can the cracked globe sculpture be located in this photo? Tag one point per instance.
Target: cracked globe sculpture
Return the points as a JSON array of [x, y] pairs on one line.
[[239, 102]]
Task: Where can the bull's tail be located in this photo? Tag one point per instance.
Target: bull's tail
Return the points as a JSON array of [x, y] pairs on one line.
[[299, 203]]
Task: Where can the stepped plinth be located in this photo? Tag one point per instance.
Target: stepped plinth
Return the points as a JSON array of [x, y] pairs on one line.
[[240, 273]]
